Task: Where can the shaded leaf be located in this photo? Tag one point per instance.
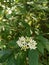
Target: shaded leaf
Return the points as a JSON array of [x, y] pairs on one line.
[[33, 57]]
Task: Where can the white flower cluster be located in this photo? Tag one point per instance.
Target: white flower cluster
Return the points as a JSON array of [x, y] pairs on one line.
[[26, 43]]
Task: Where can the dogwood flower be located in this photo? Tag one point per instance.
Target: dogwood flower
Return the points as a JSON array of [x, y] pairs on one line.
[[26, 43]]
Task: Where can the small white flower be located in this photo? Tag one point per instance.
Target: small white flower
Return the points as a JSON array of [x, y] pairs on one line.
[[4, 0], [3, 28], [13, 8], [20, 24], [32, 46], [19, 43], [9, 12], [3, 6], [4, 19], [31, 31], [26, 43], [30, 2], [22, 39]]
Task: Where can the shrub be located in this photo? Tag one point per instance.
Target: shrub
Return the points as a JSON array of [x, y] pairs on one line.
[[24, 32]]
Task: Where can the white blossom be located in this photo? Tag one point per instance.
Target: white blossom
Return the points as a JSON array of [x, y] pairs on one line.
[[9, 11], [30, 2], [26, 43], [4, 19]]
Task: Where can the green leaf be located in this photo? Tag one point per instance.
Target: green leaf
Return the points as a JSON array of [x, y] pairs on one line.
[[33, 57], [40, 63], [47, 25], [20, 58], [4, 54], [11, 61], [40, 47], [12, 44], [44, 41]]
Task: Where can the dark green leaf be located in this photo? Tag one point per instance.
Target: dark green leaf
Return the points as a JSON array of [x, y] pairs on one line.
[[33, 57], [4, 54]]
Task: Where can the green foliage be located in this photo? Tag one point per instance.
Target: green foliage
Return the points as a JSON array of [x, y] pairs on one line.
[[24, 18], [33, 57]]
